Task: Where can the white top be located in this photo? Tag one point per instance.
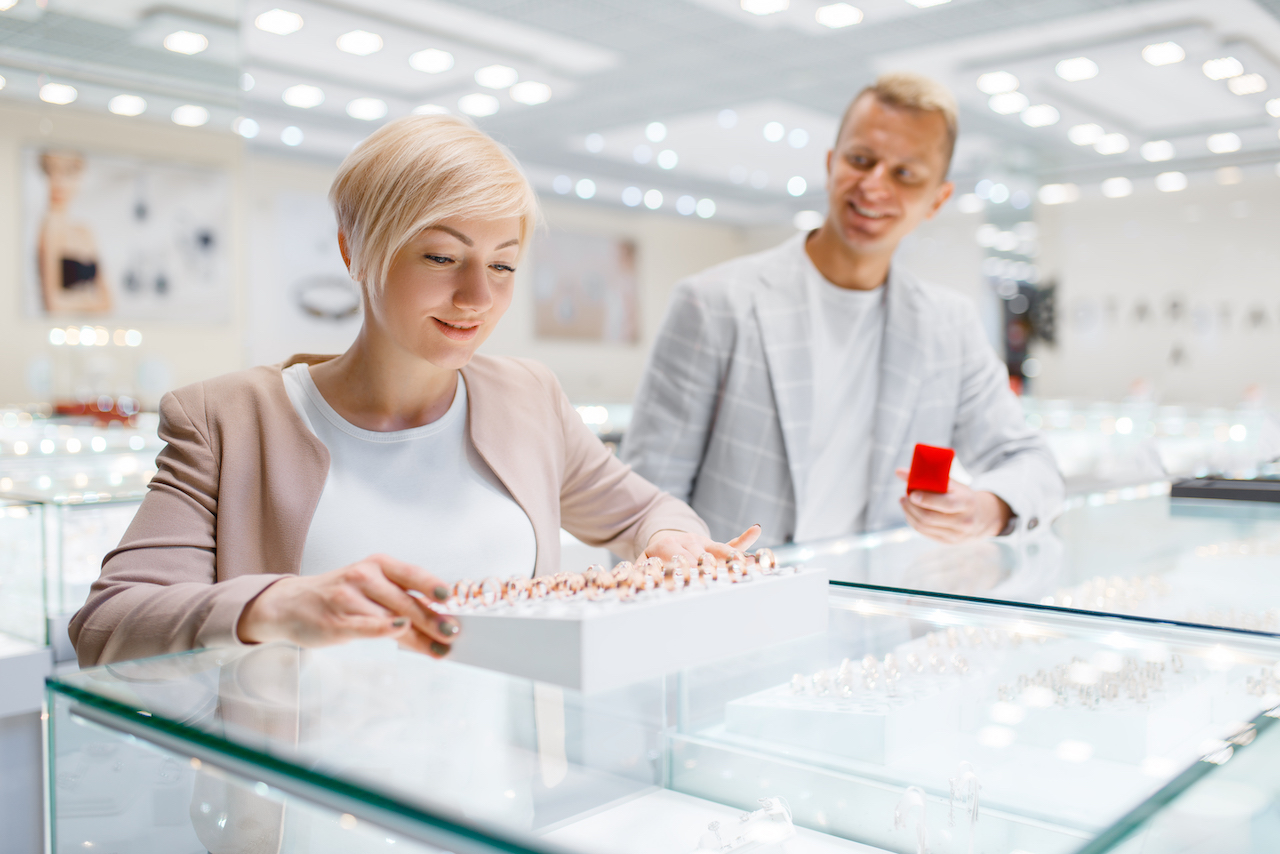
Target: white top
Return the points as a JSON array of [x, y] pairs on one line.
[[848, 328], [422, 495]]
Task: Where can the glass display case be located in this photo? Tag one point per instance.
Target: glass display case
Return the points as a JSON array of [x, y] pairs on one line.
[[27, 437], [81, 506], [912, 723], [1133, 551], [22, 611]]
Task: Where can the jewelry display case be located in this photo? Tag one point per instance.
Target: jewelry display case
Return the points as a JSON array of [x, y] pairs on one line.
[[22, 610], [912, 723], [82, 504], [1133, 551]]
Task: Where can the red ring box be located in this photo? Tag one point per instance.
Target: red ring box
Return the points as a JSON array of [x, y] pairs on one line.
[[930, 469]]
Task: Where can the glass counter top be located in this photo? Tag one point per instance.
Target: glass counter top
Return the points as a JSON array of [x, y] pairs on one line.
[[1132, 551], [913, 722]]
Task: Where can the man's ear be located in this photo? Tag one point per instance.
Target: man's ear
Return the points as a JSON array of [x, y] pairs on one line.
[[944, 193]]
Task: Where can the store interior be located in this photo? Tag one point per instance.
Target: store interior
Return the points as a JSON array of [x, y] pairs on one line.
[[1117, 197]]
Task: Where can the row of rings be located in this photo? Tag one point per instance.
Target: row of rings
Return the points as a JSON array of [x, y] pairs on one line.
[[622, 582]]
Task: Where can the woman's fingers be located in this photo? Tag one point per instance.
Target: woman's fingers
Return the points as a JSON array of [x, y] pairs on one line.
[[746, 538], [368, 576], [412, 577]]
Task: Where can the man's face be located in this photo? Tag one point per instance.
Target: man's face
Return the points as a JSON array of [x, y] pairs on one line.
[[886, 174]]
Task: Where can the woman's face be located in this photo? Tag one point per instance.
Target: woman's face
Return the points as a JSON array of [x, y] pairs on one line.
[[448, 287]]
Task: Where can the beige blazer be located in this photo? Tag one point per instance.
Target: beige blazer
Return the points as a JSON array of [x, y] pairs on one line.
[[241, 475]]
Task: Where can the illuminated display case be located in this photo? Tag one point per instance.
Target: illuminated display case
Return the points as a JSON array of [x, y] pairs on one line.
[[1133, 551], [913, 723], [22, 608]]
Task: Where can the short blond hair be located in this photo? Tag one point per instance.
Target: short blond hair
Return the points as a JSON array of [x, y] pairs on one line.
[[911, 91], [416, 172]]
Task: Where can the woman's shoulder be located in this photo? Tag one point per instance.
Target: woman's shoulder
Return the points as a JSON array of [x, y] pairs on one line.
[[512, 375], [242, 397]]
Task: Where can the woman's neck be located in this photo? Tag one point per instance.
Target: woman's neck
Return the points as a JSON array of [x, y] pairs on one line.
[[376, 385]]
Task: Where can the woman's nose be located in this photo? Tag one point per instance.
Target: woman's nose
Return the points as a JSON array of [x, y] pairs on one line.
[[474, 292]]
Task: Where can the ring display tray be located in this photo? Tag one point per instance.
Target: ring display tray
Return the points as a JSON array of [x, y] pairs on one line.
[[599, 645]]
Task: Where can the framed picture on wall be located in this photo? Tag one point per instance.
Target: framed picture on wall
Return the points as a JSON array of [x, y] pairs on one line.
[[584, 288], [123, 238]]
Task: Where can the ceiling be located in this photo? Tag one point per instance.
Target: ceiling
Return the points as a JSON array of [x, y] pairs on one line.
[[747, 104]]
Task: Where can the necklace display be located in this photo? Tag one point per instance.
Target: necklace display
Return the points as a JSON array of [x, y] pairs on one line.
[[626, 582]]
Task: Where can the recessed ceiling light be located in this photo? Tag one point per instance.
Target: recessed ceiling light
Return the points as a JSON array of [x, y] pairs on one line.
[[1223, 69], [774, 131], [798, 138], [58, 93], [797, 186], [667, 159], [303, 96], [2, 81], [478, 104], [1223, 143], [430, 110], [1171, 182], [127, 105], [1076, 68], [360, 42], [585, 189], [431, 61], [562, 184], [642, 154], [653, 200], [706, 208], [279, 21], [1164, 53], [594, 143], [184, 41], [190, 115], [1008, 103], [530, 93], [1117, 188], [245, 127], [367, 109], [1157, 150], [685, 205], [247, 82], [497, 76], [1228, 175], [632, 196], [1086, 134], [1040, 115], [838, 15], [655, 131], [997, 82], [1247, 84], [292, 135], [765, 7], [1273, 108], [6, 5], [1112, 143], [1058, 194]]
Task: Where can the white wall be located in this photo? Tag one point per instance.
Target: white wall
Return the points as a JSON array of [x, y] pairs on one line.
[[1214, 249]]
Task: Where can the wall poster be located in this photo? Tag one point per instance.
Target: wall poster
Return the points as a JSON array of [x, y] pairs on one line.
[[585, 288], [124, 238]]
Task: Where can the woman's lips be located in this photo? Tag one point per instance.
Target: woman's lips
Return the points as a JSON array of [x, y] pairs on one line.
[[456, 333]]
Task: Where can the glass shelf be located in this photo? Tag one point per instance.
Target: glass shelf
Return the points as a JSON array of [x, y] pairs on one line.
[[1132, 551], [1069, 727], [28, 439]]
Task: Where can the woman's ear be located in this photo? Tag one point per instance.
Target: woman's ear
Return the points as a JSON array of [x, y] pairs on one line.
[[342, 247]]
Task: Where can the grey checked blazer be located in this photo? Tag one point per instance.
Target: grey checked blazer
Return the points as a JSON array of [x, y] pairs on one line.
[[723, 412]]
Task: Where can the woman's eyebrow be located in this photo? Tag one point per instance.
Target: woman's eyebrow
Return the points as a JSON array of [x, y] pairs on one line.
[[515, 241], [458, 234]]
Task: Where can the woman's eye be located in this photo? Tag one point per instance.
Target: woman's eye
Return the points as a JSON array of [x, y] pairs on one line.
[[506, 268], [439, 259]]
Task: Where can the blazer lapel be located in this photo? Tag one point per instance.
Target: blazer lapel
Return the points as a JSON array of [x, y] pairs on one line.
[[782, 313], [902, 358]]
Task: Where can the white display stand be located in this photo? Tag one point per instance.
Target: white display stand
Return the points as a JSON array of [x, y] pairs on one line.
[[597, 646]]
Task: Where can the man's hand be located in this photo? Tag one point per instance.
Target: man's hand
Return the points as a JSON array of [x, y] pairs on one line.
[[372, 598], [667, 544], [955, 516]]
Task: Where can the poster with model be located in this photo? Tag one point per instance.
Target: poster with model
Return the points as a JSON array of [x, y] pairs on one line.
[[123, 238], [584, 288]]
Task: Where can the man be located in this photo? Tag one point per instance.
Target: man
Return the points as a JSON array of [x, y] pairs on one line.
[[789, 388]]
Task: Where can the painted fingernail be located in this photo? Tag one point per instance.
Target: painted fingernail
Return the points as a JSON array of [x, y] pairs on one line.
[[449, 628], [400, 622], [438, 648], [441, 593]]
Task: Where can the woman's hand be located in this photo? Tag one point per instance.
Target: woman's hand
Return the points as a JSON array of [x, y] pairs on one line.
[[667, 544], [369, 599]]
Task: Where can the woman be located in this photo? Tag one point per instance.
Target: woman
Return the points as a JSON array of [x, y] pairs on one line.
[[283, 489], [71, 280]]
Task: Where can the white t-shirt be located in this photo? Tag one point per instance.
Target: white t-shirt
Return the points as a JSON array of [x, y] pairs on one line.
[[422, 495], [848, 328]]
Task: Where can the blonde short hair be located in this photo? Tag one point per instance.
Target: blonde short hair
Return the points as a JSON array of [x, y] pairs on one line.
[[418, 171], [911, 91]]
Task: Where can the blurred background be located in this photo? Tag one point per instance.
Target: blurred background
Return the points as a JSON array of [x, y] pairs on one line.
[[1115, 215]]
